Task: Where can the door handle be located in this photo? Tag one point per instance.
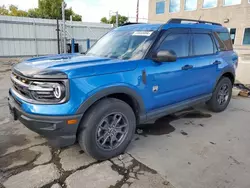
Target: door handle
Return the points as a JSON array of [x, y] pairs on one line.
[[217, 62], [186, 67]]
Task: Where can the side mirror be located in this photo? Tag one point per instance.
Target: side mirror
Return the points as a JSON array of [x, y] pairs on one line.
[[165, 56]]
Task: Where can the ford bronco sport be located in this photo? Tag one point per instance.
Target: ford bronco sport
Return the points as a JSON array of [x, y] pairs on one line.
[[135, 73]]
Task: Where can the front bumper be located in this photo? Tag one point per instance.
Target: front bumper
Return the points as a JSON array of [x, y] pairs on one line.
[[55, 128]]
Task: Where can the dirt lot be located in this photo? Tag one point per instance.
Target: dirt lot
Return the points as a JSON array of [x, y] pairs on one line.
[[197, 149]]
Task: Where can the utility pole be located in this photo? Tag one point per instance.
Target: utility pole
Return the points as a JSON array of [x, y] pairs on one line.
[[58, 35], [116, 17], [64, 28], [116, 20], [137, 12]]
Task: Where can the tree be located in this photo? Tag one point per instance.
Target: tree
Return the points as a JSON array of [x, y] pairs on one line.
[[75, 17], [34, 13], [14, 11], [121, 20], [3, 10], [104, 20], [50, 9]]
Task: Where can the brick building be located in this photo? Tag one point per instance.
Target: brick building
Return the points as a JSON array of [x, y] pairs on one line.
[[233, 14]]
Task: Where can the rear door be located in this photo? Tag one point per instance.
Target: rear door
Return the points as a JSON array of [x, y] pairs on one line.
[[204, 60]]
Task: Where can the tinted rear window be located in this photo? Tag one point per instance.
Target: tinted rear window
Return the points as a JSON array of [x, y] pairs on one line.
[[202, 44], [224, 41]]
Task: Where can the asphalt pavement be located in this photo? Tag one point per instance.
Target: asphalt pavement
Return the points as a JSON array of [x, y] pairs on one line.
[[191, 149]]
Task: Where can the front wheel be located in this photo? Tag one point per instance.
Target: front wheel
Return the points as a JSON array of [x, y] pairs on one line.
[[221, 95], [107, 129]]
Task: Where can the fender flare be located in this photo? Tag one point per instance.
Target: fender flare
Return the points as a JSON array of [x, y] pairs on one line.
[[224, 71], [113, 90]]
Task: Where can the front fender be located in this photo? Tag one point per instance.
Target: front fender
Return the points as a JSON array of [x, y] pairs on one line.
[[112, 90]]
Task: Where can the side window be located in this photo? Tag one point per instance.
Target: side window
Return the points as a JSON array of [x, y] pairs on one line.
[[232, 34], [190, 5], [224, 40], [202, 44], [209, 3], [174, 6], [246, 39], [160, 7], [179, 43]]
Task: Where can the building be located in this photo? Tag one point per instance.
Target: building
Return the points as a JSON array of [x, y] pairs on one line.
[[233, 14]]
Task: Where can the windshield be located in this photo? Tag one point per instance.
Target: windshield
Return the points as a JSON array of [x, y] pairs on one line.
[[122, 45]]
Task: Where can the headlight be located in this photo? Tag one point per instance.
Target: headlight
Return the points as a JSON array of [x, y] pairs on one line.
[[54, 92]]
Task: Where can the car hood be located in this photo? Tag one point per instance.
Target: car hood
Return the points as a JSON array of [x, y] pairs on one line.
[[71, 66]]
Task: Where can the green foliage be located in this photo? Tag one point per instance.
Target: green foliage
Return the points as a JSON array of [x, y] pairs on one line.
[[112, 20], [3, 10], [104, 20], [49, 9], [75, 17], [12, 11], [34, 13]]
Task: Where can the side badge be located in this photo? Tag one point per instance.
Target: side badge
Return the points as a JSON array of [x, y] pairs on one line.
[[155, 89]]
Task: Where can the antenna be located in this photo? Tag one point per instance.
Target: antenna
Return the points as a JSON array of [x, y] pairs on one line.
[[199, 18]]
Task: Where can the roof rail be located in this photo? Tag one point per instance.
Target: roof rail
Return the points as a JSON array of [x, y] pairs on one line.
[[179, 20], [129, 23]]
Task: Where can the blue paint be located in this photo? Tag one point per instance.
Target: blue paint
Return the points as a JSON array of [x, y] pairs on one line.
[[90, 74]]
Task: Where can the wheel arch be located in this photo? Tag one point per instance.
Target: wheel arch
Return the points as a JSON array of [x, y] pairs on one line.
[[123, 93], [230, 75], [228, 72]]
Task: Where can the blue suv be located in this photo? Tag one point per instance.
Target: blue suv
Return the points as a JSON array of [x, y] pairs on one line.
[[135, 73]]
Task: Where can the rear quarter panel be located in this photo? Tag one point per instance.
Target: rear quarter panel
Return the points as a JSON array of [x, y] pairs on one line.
[[229, 63]]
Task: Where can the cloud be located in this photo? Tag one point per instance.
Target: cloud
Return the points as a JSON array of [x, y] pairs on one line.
[[93, 10]]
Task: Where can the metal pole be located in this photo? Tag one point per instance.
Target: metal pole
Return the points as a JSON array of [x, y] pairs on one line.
[[72, 45], [88, 44], [35, 36], [58, 37], [116, 19], [137, 11], [64, 30]]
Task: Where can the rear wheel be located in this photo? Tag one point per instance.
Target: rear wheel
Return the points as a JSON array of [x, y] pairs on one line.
[[221, 95], [107, 129]]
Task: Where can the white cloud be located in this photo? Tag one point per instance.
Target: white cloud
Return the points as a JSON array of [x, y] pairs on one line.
[[93, 11]]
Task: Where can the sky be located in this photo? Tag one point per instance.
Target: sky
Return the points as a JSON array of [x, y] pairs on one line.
[[93, 10]]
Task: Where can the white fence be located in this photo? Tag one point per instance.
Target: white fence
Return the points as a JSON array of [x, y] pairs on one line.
[[25, 37]]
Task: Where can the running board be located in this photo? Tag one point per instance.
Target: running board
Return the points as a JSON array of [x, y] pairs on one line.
[[152, 115]]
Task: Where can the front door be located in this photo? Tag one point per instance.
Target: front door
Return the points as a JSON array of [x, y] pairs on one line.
[[172, 82]]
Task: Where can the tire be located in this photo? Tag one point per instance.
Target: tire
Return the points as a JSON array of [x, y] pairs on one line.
[[215, 103], [94, 129]]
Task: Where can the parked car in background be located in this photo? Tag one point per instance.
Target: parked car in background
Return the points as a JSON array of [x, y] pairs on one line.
[[135, 73]]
